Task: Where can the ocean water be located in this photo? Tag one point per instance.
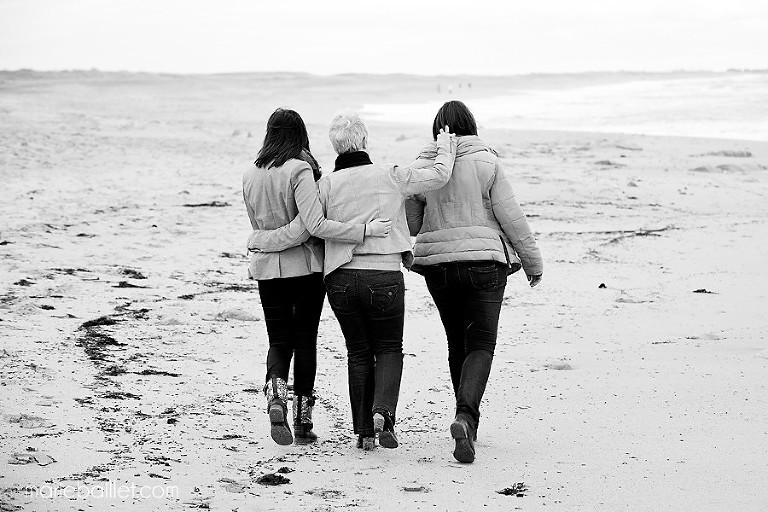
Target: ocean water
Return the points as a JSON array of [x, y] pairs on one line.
[[721, 105]]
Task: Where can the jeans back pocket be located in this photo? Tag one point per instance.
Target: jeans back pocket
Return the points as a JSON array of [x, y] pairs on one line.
[[484, 277], [383, 296], [337, 295], [436, 277]]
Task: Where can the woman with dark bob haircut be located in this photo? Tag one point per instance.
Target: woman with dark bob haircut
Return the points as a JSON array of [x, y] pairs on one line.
[[470, 234], [279, 187]]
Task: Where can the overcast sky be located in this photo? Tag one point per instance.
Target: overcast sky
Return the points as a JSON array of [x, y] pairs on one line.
[[394, 36]]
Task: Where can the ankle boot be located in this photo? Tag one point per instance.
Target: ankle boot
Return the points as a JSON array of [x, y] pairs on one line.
[[463, 433], [384, 425], [302, 419], [276, 391], [366, 443]]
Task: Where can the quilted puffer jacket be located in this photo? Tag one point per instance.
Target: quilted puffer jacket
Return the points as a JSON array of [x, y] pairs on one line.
[[474, 217]]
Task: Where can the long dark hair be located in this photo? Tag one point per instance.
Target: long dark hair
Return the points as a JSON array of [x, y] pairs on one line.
[[286, 138], [457, 116]]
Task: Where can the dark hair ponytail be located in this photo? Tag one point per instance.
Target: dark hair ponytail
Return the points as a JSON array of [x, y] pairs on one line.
[[457, 117], [285, 139]]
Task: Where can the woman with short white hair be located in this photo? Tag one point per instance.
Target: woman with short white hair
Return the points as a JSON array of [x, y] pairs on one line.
[[364, 280]]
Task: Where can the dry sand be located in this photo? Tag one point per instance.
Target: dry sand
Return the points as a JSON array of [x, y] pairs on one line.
[[639, 395]]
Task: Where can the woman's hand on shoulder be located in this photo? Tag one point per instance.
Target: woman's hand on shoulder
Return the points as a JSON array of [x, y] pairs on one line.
[[446, 138]]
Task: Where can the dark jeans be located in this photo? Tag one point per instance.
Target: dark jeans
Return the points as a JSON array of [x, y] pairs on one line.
[[292, 308], [468, 296], [370, 307]]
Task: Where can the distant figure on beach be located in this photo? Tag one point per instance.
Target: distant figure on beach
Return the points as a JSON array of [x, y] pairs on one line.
[[470, 234], [364, 280], [278, 188]]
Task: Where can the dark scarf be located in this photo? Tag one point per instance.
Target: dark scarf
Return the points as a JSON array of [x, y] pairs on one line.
[[352, 159]]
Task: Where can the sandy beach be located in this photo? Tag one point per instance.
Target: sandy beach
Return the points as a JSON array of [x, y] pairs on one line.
[[132, 346]]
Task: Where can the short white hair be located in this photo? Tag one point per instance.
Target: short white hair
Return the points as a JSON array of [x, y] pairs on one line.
[[348, 132]]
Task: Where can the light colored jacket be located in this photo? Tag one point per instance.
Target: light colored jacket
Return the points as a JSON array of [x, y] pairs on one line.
[[475, 217], [276, 196], [362, 194]]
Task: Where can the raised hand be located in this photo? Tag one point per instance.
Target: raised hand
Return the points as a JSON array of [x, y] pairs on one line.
[[445, 136]]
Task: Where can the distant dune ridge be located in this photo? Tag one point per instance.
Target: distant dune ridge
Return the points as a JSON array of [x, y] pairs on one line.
[[133, 346]]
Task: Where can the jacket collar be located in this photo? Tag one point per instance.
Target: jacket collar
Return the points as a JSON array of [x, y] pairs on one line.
[[352, 159]]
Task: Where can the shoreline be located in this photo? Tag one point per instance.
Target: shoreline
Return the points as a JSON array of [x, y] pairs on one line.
[[593, 73]]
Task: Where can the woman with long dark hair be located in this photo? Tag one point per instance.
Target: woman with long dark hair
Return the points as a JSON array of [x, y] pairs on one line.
[[470, 234], [279, 187]]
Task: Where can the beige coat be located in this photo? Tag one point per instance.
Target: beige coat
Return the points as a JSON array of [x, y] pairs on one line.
[[276, 196], [475, 217]]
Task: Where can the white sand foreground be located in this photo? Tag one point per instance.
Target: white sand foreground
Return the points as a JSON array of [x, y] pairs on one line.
[[639, 395]]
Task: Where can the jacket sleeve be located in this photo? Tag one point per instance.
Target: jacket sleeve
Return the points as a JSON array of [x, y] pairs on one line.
[[513, 222], [313, 215], [275, 240], [414, 213], [310, 220], [415, 180]]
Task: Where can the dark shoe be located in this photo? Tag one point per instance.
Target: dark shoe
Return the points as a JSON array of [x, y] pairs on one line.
[[366, 443], [304, 435], [384, 426], [462, 433], [302, 419], [276, 391]]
